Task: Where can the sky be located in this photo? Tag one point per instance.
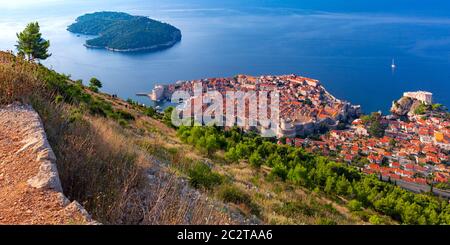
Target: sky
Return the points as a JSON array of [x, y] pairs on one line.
[[24, 3]]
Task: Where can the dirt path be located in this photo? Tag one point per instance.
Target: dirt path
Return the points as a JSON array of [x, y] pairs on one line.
[[25, 161]]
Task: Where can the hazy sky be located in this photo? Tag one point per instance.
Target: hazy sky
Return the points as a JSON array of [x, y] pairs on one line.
[[12, 4]]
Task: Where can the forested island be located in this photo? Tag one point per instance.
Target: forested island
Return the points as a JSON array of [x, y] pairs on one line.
[[123, 32]]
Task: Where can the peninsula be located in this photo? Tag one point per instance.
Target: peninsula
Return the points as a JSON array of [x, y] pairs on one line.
[[122, 32]]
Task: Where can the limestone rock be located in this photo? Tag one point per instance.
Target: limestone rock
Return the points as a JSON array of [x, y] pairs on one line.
[[404, 107], [47, 177]]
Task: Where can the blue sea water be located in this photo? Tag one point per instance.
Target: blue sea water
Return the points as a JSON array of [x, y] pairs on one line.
[[347, 44]]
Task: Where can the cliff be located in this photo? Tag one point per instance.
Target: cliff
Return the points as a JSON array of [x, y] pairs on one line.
[[405, 107]]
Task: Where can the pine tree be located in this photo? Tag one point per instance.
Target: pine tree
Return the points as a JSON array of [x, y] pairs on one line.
[[31, 44], [95, 84]]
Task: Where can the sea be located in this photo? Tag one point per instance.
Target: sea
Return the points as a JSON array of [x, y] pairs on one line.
[[349, 45]]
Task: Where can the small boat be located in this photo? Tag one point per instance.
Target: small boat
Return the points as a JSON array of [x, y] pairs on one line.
[[393, 64]]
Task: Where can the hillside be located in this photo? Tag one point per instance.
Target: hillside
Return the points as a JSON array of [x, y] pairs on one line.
[[123, 32], [127, 165], [96, 141]]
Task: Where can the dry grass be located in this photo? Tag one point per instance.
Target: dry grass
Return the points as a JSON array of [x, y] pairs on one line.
[[18, 81], [95, 165], [172, 202], [101, 167]]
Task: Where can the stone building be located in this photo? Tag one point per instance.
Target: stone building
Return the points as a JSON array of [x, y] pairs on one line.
[[425, 97]]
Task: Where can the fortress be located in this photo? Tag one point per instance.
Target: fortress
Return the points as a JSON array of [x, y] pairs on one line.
[[423, 96]]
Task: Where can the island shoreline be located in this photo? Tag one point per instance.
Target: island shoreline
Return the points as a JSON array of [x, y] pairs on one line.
[[143, 49]]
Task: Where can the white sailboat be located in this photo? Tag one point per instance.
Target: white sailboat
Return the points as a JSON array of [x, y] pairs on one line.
[[393, 64]]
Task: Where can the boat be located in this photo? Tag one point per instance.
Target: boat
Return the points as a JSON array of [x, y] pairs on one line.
[[393, 64]]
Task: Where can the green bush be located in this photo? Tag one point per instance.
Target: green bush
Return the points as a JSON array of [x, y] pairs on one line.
[[122, 122], [125, 115], [375, 220], [201, 176], [58, 99], [234, 195], [436, 107], [149, 111], [443, 186], [93, 89], [355, 205], [279, 171], [97, 107], [256, 160], [75, 115], [421, 109]]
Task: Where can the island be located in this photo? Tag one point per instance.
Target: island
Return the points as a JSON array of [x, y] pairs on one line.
[[122, 32]]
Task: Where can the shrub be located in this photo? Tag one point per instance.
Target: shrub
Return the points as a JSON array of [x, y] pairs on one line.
[[59, 99], [122, 122], [279, 171], [125, 115], [375, 220], [167, 118], [97, 107], [149, 111], [79, 82], [75, 115], [93, 89], [234, 195], [354, 205], [201, 176], [255, 160], [376, 129], [421, 109], [231, 155]]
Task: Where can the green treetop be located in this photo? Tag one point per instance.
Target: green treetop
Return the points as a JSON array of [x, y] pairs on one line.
[[31, 44], [95, 84]]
